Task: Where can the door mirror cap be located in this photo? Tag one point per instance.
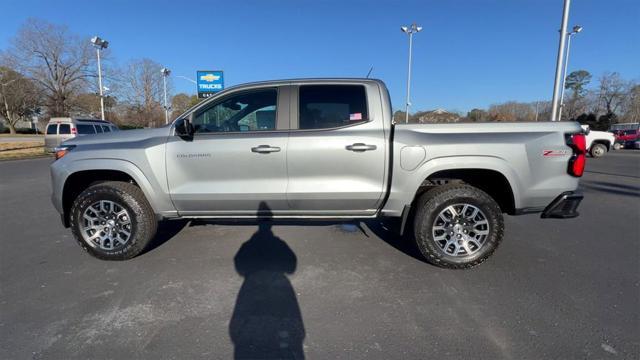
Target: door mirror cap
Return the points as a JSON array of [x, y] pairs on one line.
[[184, 128]]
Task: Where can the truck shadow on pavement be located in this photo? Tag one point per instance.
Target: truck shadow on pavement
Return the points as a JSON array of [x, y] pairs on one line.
[[386, 232], [266, 321], [611, 188], [166, 231]]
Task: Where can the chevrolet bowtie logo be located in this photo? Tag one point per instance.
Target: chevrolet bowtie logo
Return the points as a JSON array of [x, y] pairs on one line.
[[209, 77]]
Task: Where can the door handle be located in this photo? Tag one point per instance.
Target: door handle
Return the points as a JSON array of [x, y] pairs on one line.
[[265, 149], [360, 147]]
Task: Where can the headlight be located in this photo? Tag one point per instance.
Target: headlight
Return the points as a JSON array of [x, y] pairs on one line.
[[61, 151]]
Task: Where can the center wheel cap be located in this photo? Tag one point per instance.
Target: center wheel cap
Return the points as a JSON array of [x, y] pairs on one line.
[[111, 223]]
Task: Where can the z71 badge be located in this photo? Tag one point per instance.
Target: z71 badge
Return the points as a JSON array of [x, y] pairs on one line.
[[551, 153]]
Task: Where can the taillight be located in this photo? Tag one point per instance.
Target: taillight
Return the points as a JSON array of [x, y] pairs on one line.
[[74, 131], [577, 162]]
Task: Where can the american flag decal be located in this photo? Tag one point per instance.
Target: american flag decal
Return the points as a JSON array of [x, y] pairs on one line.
[[355, 116]]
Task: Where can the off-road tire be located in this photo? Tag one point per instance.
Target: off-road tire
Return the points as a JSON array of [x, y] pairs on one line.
[[598, 150], [142, 218], [431, 203]]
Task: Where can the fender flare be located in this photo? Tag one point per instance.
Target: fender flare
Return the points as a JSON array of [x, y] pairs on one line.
[[125, 166], [407, 190]]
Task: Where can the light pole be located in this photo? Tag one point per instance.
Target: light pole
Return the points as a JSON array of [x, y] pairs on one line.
[[558, 76], [100, 44], [409, 31], [576, 29], [165, 72]]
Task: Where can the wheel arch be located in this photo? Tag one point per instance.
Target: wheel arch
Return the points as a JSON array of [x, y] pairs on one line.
[[492, 182], [408, 185], [472, 169], [82, 174], [606, 143]]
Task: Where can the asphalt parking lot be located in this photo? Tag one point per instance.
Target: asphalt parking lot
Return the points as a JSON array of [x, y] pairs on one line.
[[562, 289]]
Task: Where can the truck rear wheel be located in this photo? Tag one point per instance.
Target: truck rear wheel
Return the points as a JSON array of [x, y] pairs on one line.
[[598, 150], [112, 220], [457, 226]]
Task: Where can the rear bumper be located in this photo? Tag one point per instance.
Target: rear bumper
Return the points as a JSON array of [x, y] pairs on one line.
[[565, 206]]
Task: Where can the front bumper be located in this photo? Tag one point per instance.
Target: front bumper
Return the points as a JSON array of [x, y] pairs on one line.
[[564, 206]]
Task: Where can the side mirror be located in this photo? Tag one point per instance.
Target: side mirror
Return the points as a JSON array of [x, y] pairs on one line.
[[184, 128]]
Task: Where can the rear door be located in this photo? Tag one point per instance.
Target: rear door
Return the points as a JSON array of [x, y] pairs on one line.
[[336, 153], [65, 132], [51, 137], [236, 162]]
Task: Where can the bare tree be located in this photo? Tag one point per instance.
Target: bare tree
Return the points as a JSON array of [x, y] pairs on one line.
[[57, 60], [512, 111], [19, 97], [612, 93], [142, 90], [632, 105]]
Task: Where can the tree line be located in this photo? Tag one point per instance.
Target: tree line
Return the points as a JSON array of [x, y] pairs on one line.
[[47, 71], [612, 100]]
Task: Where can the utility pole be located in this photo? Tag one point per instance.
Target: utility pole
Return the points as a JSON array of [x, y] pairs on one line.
[[558, 77]]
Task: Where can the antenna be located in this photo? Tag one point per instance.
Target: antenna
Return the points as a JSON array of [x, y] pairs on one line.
[[370, 70]]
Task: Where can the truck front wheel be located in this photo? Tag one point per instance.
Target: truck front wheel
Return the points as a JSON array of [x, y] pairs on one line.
[[457, 226], [112, 220]]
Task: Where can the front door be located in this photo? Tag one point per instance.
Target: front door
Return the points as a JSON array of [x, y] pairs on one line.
[[236, 162]]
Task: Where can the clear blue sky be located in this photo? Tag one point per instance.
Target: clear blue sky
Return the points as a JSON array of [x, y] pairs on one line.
[[470, 53]]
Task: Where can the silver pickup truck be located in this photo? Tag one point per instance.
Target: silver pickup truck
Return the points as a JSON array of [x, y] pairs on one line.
[[318, 149]]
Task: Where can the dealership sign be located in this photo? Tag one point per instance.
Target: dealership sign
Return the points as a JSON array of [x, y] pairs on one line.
[[209, 82]]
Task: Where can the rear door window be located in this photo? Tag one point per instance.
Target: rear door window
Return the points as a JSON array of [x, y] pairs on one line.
[[332, 106], [98, 129], [52, 129], [65, 129]]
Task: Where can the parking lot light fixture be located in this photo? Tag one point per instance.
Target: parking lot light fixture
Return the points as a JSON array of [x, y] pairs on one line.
[[100, 44], [409, 30], [165, 73], [576, 29]]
